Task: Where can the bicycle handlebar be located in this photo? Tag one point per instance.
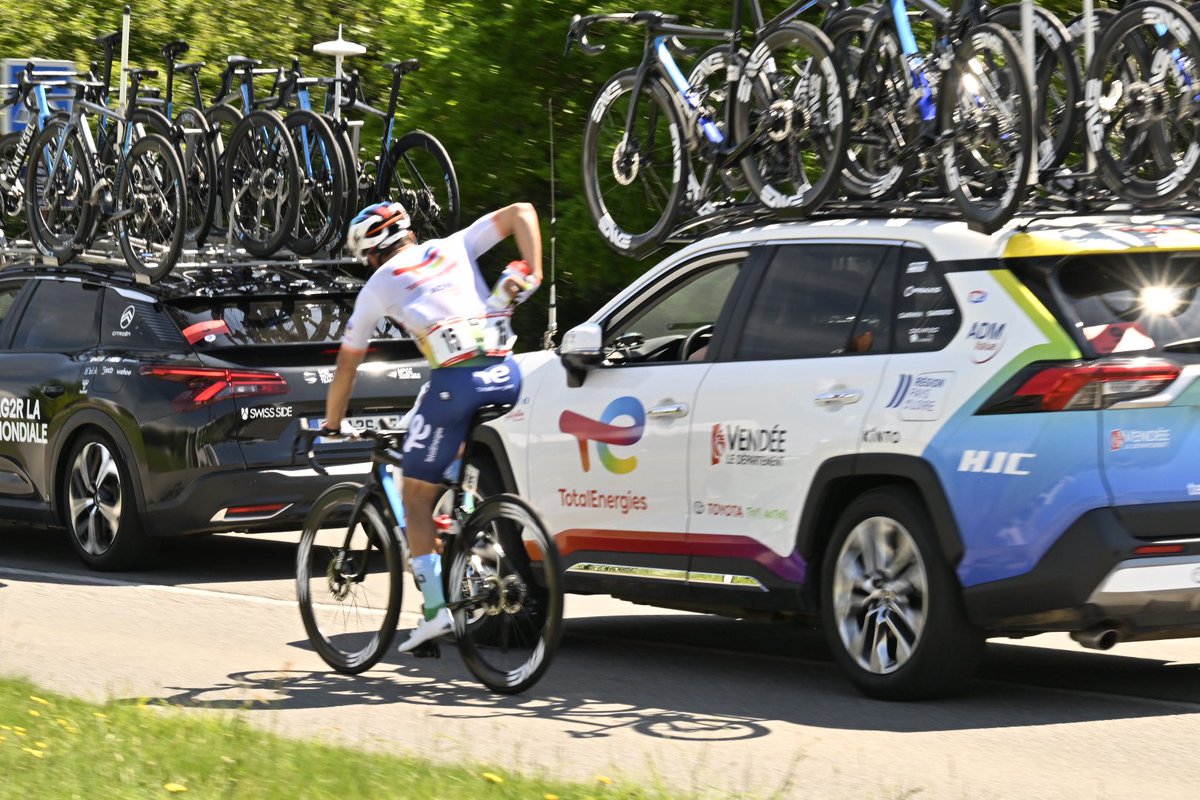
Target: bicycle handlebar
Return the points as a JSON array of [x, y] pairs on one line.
[[578, 31], [382, 438]]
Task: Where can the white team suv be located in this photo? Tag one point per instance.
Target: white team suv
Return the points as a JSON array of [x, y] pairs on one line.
[[924, 435]]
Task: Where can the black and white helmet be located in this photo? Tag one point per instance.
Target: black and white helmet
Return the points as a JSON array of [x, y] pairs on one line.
[[377, 227]]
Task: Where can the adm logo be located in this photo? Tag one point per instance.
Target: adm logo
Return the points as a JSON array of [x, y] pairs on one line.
[[605, 434]]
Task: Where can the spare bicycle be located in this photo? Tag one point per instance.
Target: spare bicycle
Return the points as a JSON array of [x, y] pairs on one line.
[[503, 576]]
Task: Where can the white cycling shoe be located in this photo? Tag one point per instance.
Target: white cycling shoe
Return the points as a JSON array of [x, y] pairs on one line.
[[429, 629]]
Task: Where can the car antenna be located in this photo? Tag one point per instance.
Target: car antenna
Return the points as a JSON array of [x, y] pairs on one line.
[[552, 311]]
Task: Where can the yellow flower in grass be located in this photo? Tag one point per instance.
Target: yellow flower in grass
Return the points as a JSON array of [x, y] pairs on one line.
[[174, 788], [548, 796], [40, 745], [33, 712], [39, 700], [18, 730], [492, 777], [98, 715], [34, 753], [5, 727], [604, 779]]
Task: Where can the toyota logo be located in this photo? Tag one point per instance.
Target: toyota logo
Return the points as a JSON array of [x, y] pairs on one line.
[[127, 317]]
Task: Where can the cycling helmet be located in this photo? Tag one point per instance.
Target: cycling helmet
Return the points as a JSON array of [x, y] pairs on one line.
[[377, 227]]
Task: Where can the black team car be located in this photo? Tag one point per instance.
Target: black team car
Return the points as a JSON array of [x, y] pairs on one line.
[[132, 412]]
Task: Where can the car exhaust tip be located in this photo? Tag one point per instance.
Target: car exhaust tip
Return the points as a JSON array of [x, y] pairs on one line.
[[1097, 638]]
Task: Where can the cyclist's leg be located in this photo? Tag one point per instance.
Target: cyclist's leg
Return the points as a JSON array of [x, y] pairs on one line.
[[435, 437]]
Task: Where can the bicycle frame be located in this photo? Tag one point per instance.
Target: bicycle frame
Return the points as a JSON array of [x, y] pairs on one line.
[[31, 129], [389, 124]]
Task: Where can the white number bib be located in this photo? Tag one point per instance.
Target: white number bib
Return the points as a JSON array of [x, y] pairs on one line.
[[498, 336], [451, 343]]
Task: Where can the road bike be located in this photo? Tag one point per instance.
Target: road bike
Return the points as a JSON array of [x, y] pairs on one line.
[[960, 114], [502, 579], [133, 182], [782, 123]]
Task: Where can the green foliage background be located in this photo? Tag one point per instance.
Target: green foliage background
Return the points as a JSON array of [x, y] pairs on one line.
[[489, 70]]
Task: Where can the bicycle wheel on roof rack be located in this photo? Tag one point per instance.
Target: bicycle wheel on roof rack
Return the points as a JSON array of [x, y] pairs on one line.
[[152, 203], [793, 104], [985, 106], [1143, 103], [58, 188], [422, 179], [634, 179], [262, 183], [12, 207], [322, 183]]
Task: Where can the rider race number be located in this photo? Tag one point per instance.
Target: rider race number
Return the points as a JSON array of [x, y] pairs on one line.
[[498, 336], [452, 342]]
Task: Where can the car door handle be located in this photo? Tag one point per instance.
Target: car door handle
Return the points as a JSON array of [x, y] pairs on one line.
[[840, 397], [668, 411], [53, 389]]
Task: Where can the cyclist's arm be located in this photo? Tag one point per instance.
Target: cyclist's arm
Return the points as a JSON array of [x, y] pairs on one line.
[[520, 221], [368, 310]]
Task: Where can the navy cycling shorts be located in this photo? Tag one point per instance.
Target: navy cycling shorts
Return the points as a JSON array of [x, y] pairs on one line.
[[439, 422]]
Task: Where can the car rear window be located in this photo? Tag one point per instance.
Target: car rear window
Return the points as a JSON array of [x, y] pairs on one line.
[[1134, 302], [229, 322]]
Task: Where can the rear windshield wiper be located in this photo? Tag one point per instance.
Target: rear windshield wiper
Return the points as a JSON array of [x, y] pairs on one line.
[[1184, 344]]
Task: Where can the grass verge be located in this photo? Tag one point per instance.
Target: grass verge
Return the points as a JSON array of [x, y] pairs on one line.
[[61, 748]]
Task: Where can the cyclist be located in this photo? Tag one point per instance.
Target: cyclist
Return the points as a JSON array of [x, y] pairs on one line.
[[436, 291]]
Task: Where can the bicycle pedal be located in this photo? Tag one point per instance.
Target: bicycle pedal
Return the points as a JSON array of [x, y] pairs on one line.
[[428, 650]]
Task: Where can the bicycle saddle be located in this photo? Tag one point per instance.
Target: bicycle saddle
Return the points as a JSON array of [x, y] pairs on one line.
[[173, 50], [193, 67], [490, 412], [237, 62], [109, 40], [403, 67], [141, 74]]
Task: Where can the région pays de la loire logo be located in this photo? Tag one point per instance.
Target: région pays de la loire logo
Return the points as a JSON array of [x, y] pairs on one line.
[[605, 433]]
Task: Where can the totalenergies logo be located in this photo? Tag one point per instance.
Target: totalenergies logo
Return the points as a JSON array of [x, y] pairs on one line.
[[604, 433]]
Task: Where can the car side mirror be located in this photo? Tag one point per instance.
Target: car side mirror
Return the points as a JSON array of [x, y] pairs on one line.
[[582, 349]]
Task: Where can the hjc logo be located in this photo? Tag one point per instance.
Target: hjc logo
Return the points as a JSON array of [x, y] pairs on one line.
[[604, 433], [996, 462]]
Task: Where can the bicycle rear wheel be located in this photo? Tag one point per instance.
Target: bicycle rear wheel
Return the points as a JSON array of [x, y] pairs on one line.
[[152, 196], [348, 581], [58, 192], [197, 155], [262, 183], [506, 592], [985, 106], [792, 103], [322, 183], [634, 180], [422, 179], [12, 191], [222, 120]]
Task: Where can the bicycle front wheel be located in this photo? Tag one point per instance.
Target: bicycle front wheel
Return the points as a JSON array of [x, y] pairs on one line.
[[986, 110], [197, 154], [506, 593], [422, 179], [12, 187], [349, 580], [58, 190], [793, 108], [634, 178], [152, 199], [322, 183]]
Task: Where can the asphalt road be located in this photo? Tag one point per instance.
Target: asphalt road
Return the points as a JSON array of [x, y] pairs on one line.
[[694, 703]]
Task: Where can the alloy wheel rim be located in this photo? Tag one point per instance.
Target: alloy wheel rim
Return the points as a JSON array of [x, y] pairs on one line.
[[880, 591], [95, 499]]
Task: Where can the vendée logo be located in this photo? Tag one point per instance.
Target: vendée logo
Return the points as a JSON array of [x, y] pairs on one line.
[[604, 433]]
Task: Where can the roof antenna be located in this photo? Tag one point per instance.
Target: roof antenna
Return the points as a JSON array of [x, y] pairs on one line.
[[552, 312]]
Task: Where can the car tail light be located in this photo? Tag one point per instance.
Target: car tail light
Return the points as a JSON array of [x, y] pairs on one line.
[[206, 385], [1081, 386]]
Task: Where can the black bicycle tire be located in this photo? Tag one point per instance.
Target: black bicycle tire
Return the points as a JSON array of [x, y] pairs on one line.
[[1135, 190], [346, 495], [986, 220], [170, 159], [857, 182], [811, 38], [285, 219], [622, 241], [1049, 29], [13, 223], [68, 246], [350, 204], [299, 243], [492, 509], [420, 140], [216, 116], [202, 215]]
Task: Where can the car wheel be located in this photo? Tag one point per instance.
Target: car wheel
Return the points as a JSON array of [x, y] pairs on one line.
[[892, 608], [100, 510]]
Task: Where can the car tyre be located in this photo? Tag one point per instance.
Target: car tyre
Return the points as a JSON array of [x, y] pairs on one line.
[[100, 509], [892, 607]]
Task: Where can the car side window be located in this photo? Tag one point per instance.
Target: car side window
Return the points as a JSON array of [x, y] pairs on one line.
[[681, 316], [811, 301], [927, 317], [59, 318], [8, 298], [132, 323]]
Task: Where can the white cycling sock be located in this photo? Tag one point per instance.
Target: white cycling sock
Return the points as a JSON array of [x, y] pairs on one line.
[[427, 570]]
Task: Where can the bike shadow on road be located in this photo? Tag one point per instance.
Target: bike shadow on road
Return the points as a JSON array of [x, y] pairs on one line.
[[693, 677]]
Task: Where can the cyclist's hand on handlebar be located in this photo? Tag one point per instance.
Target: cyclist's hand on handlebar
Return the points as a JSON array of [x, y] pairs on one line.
[[344, 431]]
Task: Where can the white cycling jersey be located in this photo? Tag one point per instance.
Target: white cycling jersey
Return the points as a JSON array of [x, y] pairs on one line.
[[435, 290]]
